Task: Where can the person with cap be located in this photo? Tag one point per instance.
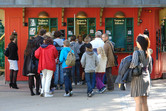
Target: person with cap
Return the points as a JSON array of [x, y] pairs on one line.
[[58, 74], [89, 61], [96, 43]]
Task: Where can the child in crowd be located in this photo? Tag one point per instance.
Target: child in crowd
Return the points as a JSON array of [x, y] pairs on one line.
[[100, 69], [66, 69], [89, 61]]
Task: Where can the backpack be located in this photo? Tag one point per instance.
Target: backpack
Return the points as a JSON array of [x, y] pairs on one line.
[[58, 48], [71, 59]]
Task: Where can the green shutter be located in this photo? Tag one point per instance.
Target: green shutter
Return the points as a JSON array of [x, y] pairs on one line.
[[120, 31]]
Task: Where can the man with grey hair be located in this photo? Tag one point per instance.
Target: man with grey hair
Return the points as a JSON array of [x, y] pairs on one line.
[[108, 48], [97, 42]]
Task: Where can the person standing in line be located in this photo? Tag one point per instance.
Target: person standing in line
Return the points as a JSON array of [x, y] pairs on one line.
[[58, 74], [140, 85], [13, 58], [108, 46], [82, 50], [100, 70], [75, 47], [89, 61], [66, 69], [30, 67], [39, 39], [97, 42], [46, 54]]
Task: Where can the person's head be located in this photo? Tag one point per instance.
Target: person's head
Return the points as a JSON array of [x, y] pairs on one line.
[[89, 47], [13, 38], [105, 37], [87, 39], [101, 51], [73, 38], [66, 43], [143, 43], [49, 34], [79, 38], [136, 48], [42, 32], [48, 40], [98, 34], [29, 47], [57, 34]]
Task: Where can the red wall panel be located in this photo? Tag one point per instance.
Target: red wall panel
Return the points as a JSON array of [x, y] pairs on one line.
[[13, 20]]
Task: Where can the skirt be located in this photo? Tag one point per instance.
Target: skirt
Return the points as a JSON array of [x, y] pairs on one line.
[[13, 65], [140, 86]]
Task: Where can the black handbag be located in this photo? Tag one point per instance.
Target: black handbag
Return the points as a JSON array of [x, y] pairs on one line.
[[137, 71], [32, 67], [6, 52]]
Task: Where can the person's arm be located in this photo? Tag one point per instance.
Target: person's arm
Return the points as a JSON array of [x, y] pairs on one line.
[[37, 53], [106, 49], [96, 60], [150, 66], [83, 59], [61, 56], [134, 61]]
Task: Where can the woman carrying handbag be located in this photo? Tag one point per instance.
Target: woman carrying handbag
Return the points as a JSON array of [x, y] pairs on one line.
[[30, 67], [140, 85]]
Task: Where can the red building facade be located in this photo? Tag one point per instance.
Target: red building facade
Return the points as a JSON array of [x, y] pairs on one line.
[[16, 17]]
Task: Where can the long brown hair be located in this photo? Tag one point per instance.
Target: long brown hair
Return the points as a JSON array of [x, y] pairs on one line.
[[144, 42], [29, 48]]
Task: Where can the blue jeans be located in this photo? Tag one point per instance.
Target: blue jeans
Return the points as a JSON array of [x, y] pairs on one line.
[[58, 75], [77, 69], [94, 81], [67, 79], [89, 81]]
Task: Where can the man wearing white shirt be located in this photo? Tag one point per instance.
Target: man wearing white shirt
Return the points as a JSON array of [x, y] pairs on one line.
[[97, 42]]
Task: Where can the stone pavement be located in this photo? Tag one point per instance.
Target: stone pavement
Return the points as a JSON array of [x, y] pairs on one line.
[[20, 100]]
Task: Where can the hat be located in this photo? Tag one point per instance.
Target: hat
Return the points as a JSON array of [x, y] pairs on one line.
[[89, 45], [57, 33], [98, 34]]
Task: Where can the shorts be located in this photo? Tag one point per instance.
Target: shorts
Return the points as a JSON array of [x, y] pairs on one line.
[[13, 65]]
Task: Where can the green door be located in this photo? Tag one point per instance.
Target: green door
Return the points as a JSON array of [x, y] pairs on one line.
[[2, 58], [83, 26], [119, 33]]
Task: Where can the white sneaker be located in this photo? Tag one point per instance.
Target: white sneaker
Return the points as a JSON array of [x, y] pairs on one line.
[[66, 95], [73, 84], [47, 95], [71, 93], [78, 83]]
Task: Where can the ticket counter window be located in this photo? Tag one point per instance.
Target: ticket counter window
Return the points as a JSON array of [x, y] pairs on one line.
[[35, 24], [120, 31], [83, 26]]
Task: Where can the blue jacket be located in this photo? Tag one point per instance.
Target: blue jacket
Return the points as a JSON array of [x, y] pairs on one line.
[[63, 56]]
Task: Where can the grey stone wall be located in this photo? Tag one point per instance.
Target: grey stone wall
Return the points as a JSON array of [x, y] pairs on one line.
[[82, 3]]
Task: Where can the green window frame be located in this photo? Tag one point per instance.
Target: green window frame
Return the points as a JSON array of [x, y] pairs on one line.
[[91, 25], [35, 23], [2, 43], [111, 29]]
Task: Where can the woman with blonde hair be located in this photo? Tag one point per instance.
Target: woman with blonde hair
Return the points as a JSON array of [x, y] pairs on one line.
[[100, 70], [140, 85]]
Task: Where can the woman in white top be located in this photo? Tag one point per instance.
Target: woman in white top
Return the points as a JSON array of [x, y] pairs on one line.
[[100, 69]]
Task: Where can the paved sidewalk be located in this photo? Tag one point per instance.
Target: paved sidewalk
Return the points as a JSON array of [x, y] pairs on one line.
[[20, 100]]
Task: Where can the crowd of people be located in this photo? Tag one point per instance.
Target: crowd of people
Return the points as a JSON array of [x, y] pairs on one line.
[[45, 64]]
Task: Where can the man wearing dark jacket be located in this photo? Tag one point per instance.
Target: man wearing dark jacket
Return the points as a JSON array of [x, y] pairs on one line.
[[39, 39], [108, 46]]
